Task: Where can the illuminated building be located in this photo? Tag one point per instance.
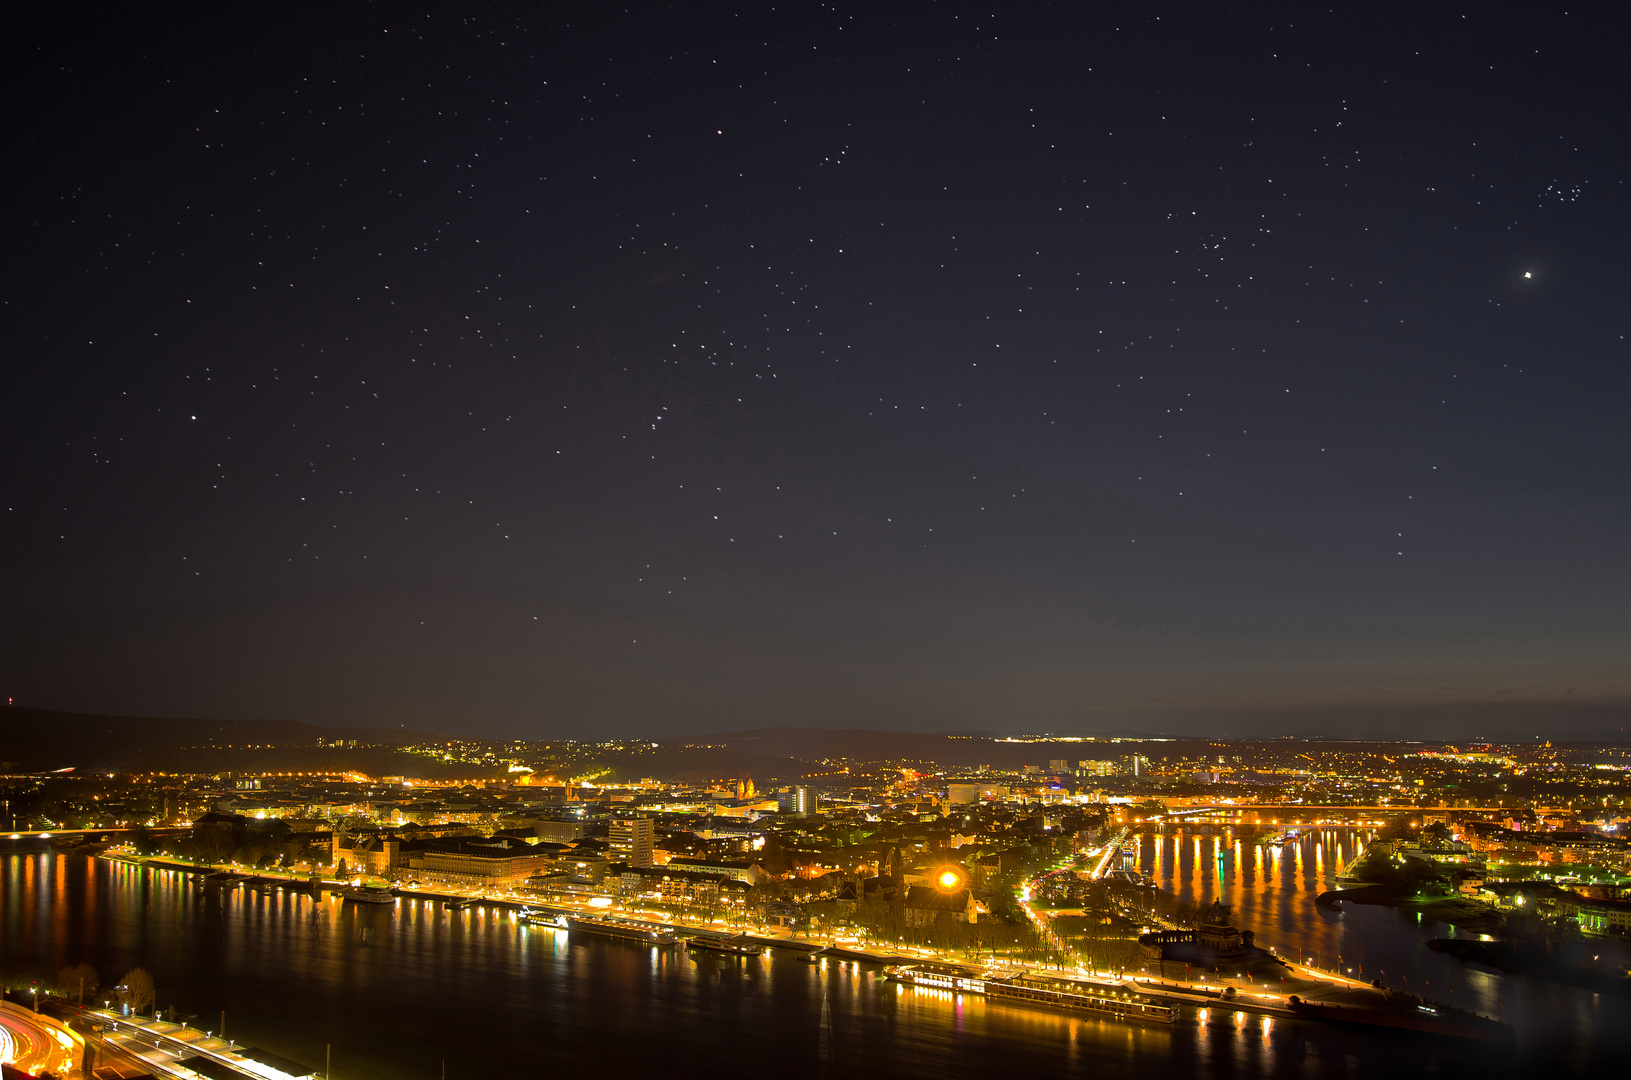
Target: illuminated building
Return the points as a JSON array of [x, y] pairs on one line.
[[926, 903], [749, 872], [633, 840], [670, 886]]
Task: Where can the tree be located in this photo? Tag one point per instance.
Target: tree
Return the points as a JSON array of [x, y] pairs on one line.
[[136, 989], [77, 982], [211, 846]]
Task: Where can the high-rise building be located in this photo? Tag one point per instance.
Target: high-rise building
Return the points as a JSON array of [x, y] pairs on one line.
[[805, 800], [633, 840], [1057, 765]]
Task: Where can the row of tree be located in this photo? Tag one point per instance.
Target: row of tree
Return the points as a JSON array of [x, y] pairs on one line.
[[81, 983]]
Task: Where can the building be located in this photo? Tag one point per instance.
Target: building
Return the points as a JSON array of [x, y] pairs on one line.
[[492, 860], [925, 904], [459, 860], [1214, 942], [962, 792], [801, 800], [556, 832], [633, 841], [685, 887], [368, 853], [750, 872], [1603, 916]]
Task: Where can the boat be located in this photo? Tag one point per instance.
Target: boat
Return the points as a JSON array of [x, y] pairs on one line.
[[365, 894], [542, 918], [460, 905], [624, 929], [1035, 988], [728, 946]]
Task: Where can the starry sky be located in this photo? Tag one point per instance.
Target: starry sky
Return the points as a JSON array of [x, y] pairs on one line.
[[561, 369]]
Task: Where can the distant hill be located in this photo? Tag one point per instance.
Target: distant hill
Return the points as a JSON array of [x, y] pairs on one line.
[[37, 739], [948, 749], [688, 763]]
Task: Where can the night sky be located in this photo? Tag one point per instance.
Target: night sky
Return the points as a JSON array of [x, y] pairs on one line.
[[582, 370]]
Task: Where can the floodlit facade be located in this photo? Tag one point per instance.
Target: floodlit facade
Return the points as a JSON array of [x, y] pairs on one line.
[[633, 840]]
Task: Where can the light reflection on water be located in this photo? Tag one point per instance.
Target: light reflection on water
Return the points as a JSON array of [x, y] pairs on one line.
[[397, 990], [1272, 890]]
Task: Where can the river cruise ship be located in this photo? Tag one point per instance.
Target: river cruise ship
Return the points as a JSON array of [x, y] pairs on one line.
[[624, 929], [728, 946], [1035, 988]]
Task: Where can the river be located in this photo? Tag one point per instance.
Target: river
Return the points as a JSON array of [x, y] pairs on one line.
[[397, 991], [1271, 891]]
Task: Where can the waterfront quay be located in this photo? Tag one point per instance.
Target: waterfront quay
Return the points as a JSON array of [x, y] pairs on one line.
[[297, 975], [1300, 992]]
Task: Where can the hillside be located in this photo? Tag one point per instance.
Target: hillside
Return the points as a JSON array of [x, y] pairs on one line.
[[38, 739], [950, 750]]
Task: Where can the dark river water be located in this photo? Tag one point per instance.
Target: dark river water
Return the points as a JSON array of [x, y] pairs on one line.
[[1271, 890], [397, 991]]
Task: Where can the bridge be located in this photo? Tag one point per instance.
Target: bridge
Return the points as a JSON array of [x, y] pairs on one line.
[[1289, 810]]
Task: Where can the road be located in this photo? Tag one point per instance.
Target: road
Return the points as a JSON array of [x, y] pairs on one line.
[[133, 1046], [37, 1044]]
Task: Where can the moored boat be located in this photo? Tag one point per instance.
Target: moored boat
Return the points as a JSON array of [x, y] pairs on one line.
[[624, 929], [1035, 988], [545, 919], [365, 894], [728, 946]]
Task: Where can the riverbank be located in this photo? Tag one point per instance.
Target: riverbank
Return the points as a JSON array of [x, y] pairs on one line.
[[397, 989], [1458, 911]]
